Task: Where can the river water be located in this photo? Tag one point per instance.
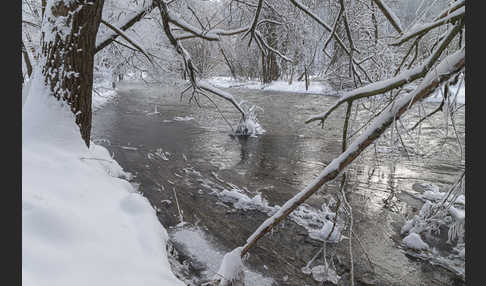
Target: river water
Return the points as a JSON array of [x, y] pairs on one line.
[[183, 157]]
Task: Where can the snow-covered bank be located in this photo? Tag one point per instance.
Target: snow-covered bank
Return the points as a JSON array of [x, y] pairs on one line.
[[279, 85], [82, 222], [317, 88]]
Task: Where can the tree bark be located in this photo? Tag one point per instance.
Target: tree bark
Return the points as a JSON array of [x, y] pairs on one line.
[[27, 60], [68, 47]]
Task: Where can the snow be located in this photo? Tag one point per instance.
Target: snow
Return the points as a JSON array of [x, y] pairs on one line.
[[183, 118], [428, 224], [250, 125], [458, 214], [102, 37], [279, 85], [199, 246], [461, 95], [243, 202], [413, 240], [324, 232], [231, 266], [158, 154], [339, 164], [419, 28], [82, 221], [318, 223]]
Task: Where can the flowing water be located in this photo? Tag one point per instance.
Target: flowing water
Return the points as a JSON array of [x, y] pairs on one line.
[[184, 157]]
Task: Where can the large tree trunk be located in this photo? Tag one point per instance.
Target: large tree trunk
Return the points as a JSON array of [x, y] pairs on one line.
[[68, 48]]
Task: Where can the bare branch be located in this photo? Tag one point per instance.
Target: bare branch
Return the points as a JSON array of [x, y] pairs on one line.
[[211, 35], [31, 24], [451, 9], [423, 29], [189, 66], [262, 41], [124, 36], [254, 22], [392, 18], [128, 21]]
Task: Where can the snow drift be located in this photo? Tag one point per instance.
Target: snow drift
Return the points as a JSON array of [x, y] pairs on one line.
[[82, 223]]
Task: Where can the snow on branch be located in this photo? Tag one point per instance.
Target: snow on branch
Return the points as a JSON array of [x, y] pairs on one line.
[[392, 18], [192, 32], [213, 33], [128, 21], [175, 19], [451, 9], [124, 36], [419, 30], [197, 86], [262, 41], [394, 82], [441, 73], [223, 94]]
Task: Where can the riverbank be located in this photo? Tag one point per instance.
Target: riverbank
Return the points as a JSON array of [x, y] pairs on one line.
[[83, 223]]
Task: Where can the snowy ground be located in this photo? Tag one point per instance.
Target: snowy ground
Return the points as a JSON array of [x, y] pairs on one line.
[[202, 250], [279, 85], [83, 223], [316, 87]]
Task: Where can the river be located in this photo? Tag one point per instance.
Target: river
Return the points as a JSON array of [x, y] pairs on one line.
[[183, 157]]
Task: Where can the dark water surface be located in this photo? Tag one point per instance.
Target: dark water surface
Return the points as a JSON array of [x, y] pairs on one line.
[[182, 163]]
